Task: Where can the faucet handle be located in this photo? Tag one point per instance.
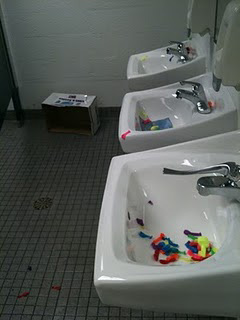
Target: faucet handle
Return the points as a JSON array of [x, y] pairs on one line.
[[228, 169], [179, 43]]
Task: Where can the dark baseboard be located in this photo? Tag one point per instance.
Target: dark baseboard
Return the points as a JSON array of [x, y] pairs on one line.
[[29, 114], [104, 112]]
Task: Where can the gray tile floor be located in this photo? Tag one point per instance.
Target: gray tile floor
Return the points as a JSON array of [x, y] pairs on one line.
[[56, 246]]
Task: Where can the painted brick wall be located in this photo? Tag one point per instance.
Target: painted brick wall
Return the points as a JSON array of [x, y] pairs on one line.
[[83, 46]]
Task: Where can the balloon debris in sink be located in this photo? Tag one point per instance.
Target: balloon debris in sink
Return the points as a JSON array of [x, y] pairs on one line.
[[140, 222], [191, 247], [155, 241], [147, 124], [174, 257], [187, 232], [167, 247], [144, 58], [156, 125], [198, 247]]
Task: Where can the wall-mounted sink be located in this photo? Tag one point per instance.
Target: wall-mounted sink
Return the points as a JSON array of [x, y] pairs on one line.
[[126, 273], [186, 122], [156, 68]]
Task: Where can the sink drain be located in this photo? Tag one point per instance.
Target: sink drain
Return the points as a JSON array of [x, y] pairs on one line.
[[43, 203]]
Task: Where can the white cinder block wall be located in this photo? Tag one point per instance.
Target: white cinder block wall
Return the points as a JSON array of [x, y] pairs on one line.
[[83, 46]]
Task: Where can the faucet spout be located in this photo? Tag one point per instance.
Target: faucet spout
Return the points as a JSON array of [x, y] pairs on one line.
[[217, 185], [188, 95], [202, 105], [224, 185], [196, 96]]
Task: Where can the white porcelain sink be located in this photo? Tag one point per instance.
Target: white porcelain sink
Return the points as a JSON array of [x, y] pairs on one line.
[[170, 214], [187, 122], [156, 68], [125, 272]]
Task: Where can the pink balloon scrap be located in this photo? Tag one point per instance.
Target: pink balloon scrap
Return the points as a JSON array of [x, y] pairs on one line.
[[124, 135]]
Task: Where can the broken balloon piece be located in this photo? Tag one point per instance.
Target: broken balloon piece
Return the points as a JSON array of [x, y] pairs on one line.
[[56, 288], [24, 294], [197, 234], [140, 222], [144, 235], [172, 258]]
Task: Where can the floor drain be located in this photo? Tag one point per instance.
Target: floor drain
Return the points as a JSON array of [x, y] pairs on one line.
[[43, 203]]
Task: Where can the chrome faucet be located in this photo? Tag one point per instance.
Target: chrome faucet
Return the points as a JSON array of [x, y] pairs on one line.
[[224, 184], [197, 96], [181, 52]]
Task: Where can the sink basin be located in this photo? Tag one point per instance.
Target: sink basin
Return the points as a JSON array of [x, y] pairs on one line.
[[180, 112], [187, 122], [194, 213], [156, 61], [156, 68], [126, 273]]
